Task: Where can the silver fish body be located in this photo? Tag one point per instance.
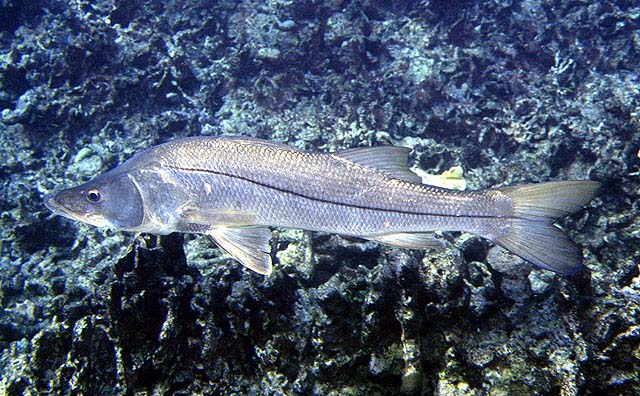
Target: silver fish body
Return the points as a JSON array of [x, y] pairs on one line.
[[232, 189]]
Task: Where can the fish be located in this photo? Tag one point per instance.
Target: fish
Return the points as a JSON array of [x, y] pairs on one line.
[[233, 189]]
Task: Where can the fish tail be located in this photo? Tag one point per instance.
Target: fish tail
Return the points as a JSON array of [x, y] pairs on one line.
[[532, 234]]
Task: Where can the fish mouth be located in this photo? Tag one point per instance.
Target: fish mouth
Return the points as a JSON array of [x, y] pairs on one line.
[[54, 206], [58, 209]]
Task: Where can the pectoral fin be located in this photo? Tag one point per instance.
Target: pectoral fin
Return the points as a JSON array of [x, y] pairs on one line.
[[215, 217], [248, 245], [410, 241]]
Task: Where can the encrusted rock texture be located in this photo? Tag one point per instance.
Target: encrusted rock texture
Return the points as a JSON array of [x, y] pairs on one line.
[[514, 92]]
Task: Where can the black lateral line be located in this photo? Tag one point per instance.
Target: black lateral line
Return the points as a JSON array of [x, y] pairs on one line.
[[323, 200]]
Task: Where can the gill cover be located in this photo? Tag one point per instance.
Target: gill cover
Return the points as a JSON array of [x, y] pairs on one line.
[[110, 200]]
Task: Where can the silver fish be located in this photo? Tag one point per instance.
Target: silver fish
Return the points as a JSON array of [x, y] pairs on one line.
[[233, 188]]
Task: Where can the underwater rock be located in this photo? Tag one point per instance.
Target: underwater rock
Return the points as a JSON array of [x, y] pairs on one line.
[[513, 271]]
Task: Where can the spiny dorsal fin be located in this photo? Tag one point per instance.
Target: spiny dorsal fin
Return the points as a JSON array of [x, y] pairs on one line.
[[390, 160], [248, 245]]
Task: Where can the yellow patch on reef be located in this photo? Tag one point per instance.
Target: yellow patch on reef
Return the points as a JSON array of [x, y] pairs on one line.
[[452, 178], [636, 173]]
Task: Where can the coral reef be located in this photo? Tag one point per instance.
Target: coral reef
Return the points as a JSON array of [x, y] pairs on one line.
[[512, 92]]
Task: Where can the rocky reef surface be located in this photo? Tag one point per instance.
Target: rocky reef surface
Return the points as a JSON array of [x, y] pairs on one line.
[[513, 92]]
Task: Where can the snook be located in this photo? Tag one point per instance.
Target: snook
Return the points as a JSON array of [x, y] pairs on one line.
[[232, 189]]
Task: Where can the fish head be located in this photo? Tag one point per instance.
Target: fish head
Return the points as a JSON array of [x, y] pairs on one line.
[[111, 200]]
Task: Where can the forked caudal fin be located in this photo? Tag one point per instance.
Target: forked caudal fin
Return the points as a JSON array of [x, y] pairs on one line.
[[533, 236]]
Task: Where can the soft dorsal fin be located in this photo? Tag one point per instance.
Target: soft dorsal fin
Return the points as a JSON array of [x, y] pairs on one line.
[[248, 245], [390, 160]]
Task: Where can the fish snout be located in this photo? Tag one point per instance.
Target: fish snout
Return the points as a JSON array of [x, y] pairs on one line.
[[51, 203]]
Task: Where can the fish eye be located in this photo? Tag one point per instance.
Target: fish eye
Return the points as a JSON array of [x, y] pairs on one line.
[[93, 195]]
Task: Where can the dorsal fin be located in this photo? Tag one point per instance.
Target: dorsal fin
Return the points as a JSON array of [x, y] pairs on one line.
[[390, 160]]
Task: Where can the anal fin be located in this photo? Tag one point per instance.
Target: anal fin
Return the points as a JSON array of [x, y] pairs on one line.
[[407, 240], [248, 245]]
